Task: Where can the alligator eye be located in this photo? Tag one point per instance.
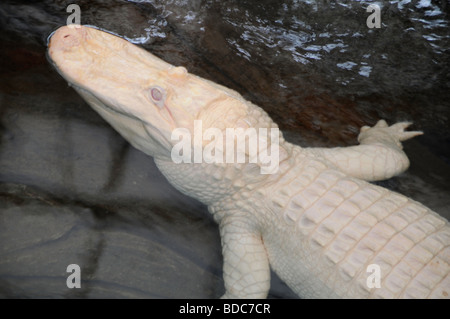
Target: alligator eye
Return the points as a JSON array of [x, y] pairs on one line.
[[158, 96]]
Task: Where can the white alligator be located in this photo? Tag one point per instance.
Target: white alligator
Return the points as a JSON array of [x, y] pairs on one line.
[[316, 221]]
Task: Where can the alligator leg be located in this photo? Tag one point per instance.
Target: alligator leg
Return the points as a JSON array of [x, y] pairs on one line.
[[379, 155], [245, 265]]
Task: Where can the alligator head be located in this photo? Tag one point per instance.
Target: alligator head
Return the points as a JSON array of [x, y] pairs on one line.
[[140, 95]]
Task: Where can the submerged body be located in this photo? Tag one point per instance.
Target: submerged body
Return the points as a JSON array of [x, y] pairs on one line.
[[316, 220]]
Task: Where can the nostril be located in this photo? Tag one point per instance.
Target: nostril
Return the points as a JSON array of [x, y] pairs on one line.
[[66, 38]]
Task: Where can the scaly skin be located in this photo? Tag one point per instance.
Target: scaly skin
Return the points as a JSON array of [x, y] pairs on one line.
[[316, 221]]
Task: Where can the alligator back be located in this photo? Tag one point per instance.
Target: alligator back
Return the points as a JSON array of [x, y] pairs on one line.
[[336, 232]]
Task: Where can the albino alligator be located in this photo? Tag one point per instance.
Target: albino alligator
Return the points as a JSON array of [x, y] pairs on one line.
[[316, 220]]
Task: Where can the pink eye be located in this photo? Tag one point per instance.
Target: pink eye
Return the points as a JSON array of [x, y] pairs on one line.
[[158, 95]]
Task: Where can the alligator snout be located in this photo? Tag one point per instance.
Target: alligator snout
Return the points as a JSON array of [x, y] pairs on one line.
[[67, 37]]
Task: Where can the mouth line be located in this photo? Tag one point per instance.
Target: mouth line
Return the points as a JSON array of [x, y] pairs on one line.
[[79, 88], [103, 105]]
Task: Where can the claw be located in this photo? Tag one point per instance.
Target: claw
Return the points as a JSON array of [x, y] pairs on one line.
[[402, 135], [401, 126], [396, 131], [381, 123], [407, 135]]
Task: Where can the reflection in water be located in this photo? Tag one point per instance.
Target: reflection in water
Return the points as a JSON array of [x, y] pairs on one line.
[[313, 32]]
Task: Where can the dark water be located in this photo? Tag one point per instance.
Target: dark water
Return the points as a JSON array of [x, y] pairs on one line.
[[72, 191]]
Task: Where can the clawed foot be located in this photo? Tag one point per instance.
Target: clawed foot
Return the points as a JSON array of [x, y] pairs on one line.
[[383, 133]]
